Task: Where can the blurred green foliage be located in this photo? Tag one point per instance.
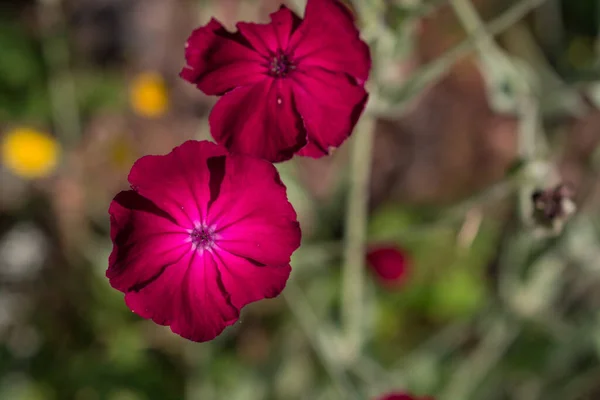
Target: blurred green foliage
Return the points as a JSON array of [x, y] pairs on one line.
[[23, 87]]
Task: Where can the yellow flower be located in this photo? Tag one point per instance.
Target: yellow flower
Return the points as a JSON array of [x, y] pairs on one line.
[[30, 153], [122, 153], [148, 95]]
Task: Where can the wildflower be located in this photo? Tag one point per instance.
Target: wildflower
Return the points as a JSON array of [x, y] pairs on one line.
[[389, 263], [403, 396], [23, 250], [30, 153], [290, 86], [148, 95], [201, 234]]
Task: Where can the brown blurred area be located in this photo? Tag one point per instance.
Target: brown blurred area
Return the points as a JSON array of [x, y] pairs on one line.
[[451, 144]]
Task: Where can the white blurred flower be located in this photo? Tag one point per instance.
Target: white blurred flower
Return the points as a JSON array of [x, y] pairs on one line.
[[22, 252]]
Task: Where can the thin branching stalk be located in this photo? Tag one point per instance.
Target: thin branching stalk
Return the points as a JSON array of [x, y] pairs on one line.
[[475, 27], [435, 70], [309, 322], [502, 332], [474, 369]]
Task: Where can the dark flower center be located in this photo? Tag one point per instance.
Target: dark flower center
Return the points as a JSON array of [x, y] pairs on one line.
[[280, 65], [202, 238]]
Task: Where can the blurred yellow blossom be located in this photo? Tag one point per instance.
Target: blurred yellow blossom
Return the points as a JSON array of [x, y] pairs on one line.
[[30, 153], [122, 153], [148, 95]]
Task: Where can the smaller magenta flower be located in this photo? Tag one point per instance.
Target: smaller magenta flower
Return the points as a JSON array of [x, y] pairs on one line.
[[389, 263], [293, 86], [201, 234], [403, 396]]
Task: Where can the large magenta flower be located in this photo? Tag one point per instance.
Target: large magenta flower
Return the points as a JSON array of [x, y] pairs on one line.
[[201, 234], [291, 86]]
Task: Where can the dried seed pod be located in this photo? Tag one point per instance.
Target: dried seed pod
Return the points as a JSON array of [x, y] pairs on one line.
[[553, 206]]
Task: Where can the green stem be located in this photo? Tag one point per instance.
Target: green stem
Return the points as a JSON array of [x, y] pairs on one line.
[[61, 86], [474, 369], [435, 70], [501, 332], [355, 240], [315, 332]]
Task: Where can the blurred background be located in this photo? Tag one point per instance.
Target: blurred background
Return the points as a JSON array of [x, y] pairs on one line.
[[484, 123]]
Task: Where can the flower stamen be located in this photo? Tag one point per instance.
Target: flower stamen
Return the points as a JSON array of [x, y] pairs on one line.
[[281, 65], [202, 237]]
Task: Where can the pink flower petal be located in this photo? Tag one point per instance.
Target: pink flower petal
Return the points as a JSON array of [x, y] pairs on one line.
[[268, 39], [259, 120], [255, 221], [218, 61], [146, 241], [329, 39], [188, 297], [397, 396], [177, 182], [248, 282], [389, 263], [330, 105], [262, 240]]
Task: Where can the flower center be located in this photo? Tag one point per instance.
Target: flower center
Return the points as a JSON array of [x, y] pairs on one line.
[[202, 237], [280, 65]]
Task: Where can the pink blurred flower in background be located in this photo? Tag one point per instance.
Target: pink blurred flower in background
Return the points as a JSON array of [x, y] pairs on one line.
[[290, 86], [403, 396], [201, 234], [389, 263]]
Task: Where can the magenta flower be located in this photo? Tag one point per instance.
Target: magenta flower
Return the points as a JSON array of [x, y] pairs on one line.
[[290, 86], [389, 263], [403, 396], [201, 234]]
